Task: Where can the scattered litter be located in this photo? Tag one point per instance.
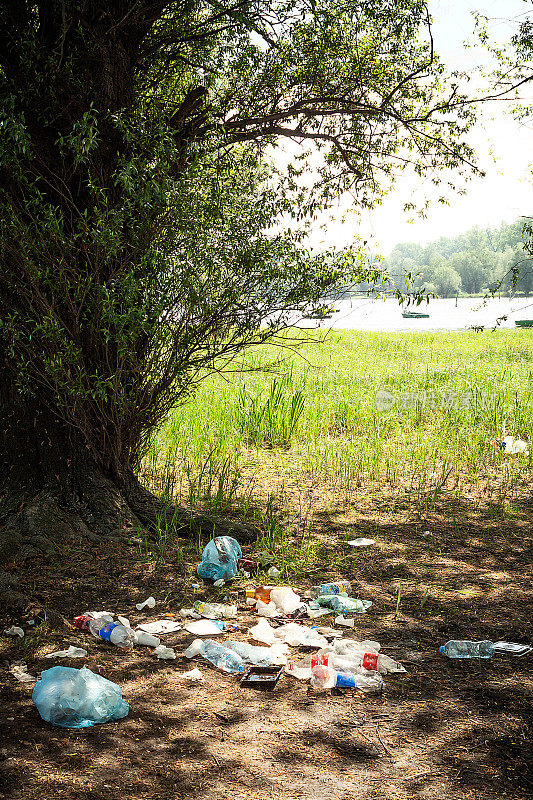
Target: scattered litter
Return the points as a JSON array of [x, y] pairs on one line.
[[14, 631], [193, 675], [329, 633], [148, 603], [324, 677], [512, 447], [344, 605], [219, 559], [215, 610], [160, 626], [358, 659], [260, 593], [361, 542], [262, 677], [263, 632], [205, 627], [31, 622], [285, 598], [315, 613], [147, 639], [267, 609], [221, 657], [247, 565], [19, 670], [186, 613], [219, 583], [300, 673], [163, 652], [250, 601], [124, 621], [72, 652], [337, 587], [426, 533], [512, 649], [77, 698], [273, 572], [297, 635], [348, 623], [466, 649], [195, 585], [260, 656]]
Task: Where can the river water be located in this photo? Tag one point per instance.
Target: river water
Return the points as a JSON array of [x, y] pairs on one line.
[[368, 314]]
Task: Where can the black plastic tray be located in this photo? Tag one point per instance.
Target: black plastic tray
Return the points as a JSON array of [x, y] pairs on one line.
[[261, 677]]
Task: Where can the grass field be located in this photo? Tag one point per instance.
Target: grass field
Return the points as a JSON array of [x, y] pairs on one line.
[[418, 412]]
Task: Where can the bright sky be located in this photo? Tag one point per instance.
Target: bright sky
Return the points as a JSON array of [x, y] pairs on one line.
[[505, 194]]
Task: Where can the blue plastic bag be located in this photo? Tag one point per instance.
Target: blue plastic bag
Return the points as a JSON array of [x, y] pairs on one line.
[[77, 698], [219, 559]]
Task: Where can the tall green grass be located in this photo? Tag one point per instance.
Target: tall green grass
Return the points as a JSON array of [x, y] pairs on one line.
[[453, 394]]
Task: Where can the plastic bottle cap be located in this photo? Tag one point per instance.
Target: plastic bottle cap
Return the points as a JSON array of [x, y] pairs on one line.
[[441, 649], [250, 592]]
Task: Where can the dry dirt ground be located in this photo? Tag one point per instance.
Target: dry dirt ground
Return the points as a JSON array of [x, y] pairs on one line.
[[445, 730]]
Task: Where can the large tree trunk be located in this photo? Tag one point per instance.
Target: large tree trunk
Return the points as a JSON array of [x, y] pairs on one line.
[[52, 490]]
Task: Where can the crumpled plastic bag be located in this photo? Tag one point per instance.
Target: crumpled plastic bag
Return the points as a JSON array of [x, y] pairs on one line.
[[77, 698], [219, 559]]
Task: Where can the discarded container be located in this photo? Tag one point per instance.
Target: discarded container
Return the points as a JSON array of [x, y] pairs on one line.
[[324, 677], [219, 559], [467, 649], [348, 623], [344, 605], [260, 593], [112, 632], [337, 587], [148, 603], [512, 648], [300, 673], [146, 639], [215, 610], [259, 656], [273, 572], [77, 698], [262, 677], [221, 657]]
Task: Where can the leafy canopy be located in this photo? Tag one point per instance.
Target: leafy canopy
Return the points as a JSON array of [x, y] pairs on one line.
[[140, 235]]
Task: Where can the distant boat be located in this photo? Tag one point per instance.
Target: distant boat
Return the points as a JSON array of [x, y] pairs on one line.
[[524, 323], [414, 315], [326, 312]]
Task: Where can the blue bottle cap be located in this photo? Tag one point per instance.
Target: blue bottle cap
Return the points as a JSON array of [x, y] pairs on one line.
[[441, 649]]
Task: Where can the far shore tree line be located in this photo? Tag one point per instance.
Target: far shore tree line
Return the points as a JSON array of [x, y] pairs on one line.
[[479, 261]]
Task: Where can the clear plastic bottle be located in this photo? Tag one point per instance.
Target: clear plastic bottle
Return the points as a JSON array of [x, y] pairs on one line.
[[259, 656], [112, 632], [215, 610], [221, 657], [467, 649], [336, 587]]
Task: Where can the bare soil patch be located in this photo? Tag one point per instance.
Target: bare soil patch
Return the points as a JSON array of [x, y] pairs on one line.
[[446, 729]]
